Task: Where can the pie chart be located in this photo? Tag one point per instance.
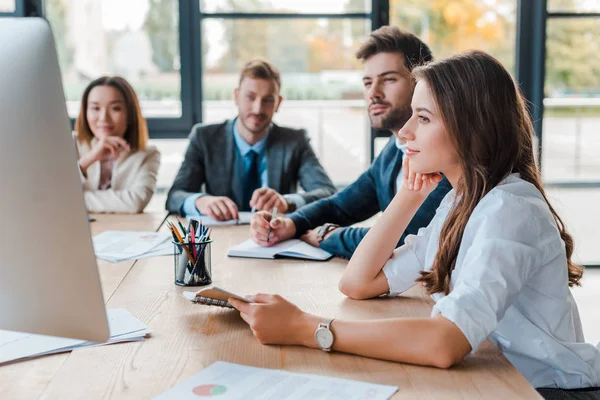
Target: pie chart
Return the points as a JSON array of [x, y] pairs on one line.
[[209, 390]]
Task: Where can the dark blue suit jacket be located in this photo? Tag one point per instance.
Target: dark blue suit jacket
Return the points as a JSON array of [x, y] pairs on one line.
[[370, 193]]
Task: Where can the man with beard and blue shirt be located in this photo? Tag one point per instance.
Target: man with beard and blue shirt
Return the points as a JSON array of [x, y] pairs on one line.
[[389, 56]]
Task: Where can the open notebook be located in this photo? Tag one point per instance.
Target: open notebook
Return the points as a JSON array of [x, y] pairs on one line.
[[294, 248]]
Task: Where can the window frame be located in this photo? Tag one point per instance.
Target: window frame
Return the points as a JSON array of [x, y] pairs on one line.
[[379, 16], [529, 58], [532, 22], [19, 10], [159, 128]]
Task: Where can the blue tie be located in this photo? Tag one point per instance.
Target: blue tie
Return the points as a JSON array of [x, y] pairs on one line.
[[251, 180]]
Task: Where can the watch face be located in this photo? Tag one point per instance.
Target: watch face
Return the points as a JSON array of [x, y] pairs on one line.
[[324, 338]]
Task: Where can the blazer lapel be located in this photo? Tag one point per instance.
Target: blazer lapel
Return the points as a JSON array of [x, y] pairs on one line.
[[275, 153]]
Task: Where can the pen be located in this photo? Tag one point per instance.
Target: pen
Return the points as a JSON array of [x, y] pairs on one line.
[[183, 246], [171, 227], [273, 215], [200, 230], [181, 226], [193, 240]]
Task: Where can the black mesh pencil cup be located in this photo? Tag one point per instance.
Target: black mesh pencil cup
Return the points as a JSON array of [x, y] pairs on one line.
[[192, 263]]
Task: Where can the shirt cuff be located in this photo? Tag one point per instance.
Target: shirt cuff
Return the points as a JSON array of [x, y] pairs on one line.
[[189, 205], [295, 198], [470, 312], [402, 270]]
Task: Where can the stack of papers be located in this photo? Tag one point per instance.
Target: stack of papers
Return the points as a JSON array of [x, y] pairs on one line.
[[245, 219], [233, 381], [115, 246], [124, 327]]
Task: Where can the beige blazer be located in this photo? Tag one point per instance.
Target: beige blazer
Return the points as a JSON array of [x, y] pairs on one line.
[[133, 181]]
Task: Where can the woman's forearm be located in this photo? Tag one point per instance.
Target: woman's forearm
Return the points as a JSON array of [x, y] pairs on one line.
[[362, 276], [423, 341]]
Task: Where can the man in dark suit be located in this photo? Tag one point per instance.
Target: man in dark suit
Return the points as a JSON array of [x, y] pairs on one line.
[[249, 162], [389, 56]]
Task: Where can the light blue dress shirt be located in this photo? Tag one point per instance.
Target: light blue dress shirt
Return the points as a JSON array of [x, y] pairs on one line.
[[243, 147]]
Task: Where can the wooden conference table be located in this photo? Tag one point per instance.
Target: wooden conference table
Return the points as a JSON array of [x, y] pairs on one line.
[[187, 337]]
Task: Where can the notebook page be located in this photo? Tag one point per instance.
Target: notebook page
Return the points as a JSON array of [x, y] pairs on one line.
[[295, 248], [305, 250], [253, 250]]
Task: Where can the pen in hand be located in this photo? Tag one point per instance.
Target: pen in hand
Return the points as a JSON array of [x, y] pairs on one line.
[[273, 216]]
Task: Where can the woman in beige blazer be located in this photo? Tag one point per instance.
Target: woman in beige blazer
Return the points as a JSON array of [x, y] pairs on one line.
[[118, 168]]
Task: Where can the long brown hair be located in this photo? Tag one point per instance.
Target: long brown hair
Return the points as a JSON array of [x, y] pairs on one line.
[[489, 125], [136, 134]]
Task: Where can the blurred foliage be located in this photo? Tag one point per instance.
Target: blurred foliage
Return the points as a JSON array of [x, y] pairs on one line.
[[305, 48]]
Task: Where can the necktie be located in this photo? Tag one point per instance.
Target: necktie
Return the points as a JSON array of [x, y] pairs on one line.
[[251, 179]]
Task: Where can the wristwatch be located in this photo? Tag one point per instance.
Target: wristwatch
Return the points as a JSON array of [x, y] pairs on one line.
[[324, 230], [323, 335], [291, 206]]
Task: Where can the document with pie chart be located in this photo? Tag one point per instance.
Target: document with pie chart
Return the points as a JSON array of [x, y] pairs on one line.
[[227, 381]]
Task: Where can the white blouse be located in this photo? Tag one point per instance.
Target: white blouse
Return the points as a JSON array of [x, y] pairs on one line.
[[510, 285]]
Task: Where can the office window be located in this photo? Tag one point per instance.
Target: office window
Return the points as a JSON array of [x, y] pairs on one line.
[[570, 141], [286, 6], [7, 6], [321, 80], [452, 26], [577, 6], [136, 39]]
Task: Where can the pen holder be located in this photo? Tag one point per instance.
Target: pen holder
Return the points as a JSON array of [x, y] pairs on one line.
[[195, 271]]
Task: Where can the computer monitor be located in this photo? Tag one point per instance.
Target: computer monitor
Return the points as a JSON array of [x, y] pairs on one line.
[[49, 281]]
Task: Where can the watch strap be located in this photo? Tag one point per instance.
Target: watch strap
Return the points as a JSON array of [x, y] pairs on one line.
[[324, 230], [326, 323], [291, 206]]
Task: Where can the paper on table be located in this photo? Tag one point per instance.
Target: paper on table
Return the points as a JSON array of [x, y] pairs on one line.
[[245, 218], [17, 345], [234, 381], [163, 249], [126, 245]]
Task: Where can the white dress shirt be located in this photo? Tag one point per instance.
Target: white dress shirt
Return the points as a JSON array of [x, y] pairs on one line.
[[510, 285]]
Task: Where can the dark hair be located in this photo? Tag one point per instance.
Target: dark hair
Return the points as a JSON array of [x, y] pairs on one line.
[[391, 39], [490, 127], [261, 69], [136, 134]]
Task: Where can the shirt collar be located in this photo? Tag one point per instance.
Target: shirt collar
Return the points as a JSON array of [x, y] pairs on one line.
[[244, 147], [399, 145]]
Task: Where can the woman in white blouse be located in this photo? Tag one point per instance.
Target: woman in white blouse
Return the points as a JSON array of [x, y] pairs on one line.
[[496, 258], [118, 168]]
